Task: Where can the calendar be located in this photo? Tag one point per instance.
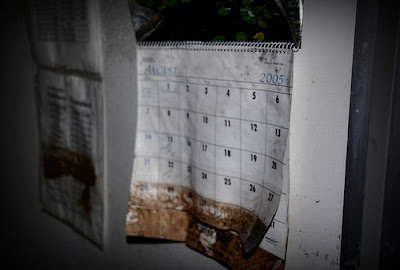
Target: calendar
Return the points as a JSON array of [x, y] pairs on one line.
[[65, 41], [70, 110], [211, 137]]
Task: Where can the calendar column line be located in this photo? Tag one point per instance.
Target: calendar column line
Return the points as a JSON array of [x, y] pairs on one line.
[[266, 135], [194, 175], [266, 145], [180, 176], [215, 146], [159, 147], [240, 147]]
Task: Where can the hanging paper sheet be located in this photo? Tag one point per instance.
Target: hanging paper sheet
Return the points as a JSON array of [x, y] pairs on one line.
[[212, 131], [71, 129]]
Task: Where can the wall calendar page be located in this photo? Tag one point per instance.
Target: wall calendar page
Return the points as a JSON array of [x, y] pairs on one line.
[[211, 141]]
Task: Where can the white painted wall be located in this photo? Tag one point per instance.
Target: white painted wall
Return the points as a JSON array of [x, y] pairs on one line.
[[318, 147], [318, 141]]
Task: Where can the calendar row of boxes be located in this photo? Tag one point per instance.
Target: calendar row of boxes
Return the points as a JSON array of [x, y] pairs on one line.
[[214, 186], [178, 128], [260, 170], [238, 103]]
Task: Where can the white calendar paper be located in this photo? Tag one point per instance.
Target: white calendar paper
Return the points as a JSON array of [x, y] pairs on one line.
[[71, 128], [212, 130], [66, 34]]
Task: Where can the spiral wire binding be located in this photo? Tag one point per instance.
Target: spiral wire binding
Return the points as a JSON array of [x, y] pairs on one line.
[[225, 46]]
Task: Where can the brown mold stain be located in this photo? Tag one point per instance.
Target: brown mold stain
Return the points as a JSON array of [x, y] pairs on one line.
[[167, 198], [228, 250], [58, 162]]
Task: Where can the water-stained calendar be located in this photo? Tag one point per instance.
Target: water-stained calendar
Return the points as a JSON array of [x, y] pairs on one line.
[[211, 137]]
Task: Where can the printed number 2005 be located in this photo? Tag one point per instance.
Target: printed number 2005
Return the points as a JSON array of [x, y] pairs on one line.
[[271, 78]]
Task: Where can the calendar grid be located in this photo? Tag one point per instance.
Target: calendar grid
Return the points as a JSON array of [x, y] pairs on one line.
[[203, 105], [211, 136]]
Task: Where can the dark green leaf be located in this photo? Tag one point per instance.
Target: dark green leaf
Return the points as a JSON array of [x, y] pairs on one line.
[[162, 7], [148, 3], [262, 24], [167, 4], [259, 10], [267, 15], [246, 3], [259, 36], [242, 36], [223, 11], [250, 12], [248, 15], [244, 11], [172, 3], [186, 1], [250, 19]]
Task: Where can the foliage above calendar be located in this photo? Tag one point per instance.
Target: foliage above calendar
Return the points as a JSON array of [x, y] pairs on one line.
[[221, 20]]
